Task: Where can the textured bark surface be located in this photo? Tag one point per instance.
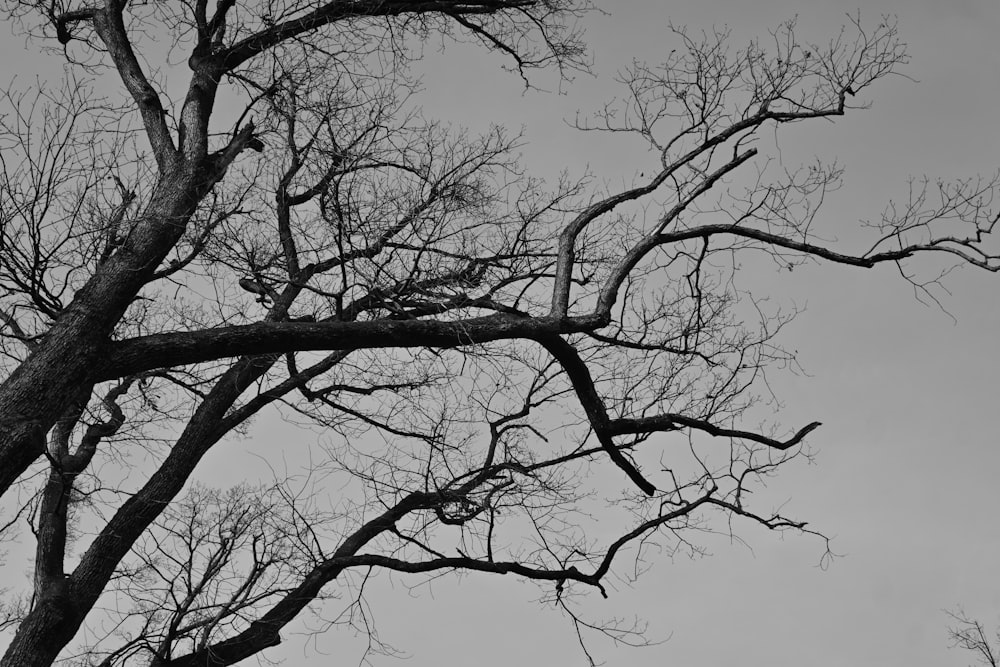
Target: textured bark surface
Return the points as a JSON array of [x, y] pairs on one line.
[[71, 353]]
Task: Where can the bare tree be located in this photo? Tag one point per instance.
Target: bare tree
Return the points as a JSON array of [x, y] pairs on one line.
[[470, 341], [969, 634]]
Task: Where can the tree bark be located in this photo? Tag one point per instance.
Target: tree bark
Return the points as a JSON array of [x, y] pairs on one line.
[[72, 351]]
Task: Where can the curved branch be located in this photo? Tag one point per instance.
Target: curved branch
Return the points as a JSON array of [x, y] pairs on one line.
[[567, 239], [609, 291], [592, 404], [264, 632], [673, 422], [63, 21]]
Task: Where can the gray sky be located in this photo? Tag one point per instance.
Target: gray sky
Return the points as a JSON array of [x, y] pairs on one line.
[[904, 477]]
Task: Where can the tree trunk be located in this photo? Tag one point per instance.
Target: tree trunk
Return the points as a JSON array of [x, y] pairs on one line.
[[39, 390]]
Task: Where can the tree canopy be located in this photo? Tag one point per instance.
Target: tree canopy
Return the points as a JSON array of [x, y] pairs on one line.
[[239, 210]]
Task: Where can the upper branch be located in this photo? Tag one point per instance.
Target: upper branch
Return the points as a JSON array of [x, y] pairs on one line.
[[569, 235], [332, 12], [63, 21], [110, 27], [610, 290]]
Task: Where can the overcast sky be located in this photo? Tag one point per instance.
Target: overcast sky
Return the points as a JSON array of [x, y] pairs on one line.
[[904, 478], [907, 459]]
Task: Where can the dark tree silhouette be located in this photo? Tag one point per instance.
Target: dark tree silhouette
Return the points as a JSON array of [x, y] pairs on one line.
[[291, 237], [970, 634]]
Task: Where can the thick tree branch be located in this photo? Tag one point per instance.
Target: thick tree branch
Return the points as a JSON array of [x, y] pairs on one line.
[[263, 632], [593, 405], [62, 22], [110, 26], [190, 347]]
